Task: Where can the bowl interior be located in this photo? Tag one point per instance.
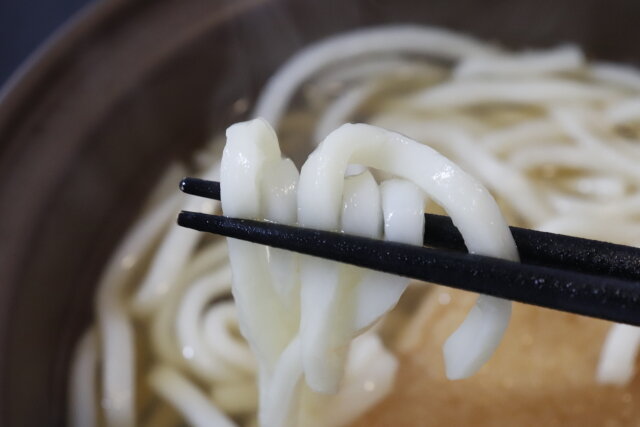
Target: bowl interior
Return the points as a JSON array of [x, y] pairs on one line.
[[126, 89]]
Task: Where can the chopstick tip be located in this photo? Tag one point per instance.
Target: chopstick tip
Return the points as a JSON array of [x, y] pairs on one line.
[[200, 187], [184, 182], [185, 218]]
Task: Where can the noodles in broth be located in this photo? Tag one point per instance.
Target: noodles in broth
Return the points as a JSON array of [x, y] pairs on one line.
[[553, 137]]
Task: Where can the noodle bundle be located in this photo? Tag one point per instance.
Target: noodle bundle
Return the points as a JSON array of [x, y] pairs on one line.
[[306, 331]]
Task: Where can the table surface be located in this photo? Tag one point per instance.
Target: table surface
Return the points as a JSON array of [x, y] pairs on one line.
[[25, 25]]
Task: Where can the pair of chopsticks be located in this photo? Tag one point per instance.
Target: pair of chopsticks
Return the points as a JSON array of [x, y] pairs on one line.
[[571, 274]]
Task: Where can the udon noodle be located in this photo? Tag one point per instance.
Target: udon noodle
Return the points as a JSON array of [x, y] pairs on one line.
[[553, 137]]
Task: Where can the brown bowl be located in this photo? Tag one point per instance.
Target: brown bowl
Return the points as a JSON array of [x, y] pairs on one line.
[[88, 124]]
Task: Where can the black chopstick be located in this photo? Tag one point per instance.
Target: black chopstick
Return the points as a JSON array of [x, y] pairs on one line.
[[200, 187], [596, 296], [534, 247]]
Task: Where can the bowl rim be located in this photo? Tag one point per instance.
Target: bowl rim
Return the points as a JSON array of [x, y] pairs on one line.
[[37, 77], [18, 93]]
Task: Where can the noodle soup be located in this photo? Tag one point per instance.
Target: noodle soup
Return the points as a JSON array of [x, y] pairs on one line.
[[551, 135]]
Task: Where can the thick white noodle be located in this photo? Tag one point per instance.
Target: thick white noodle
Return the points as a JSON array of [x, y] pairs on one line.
[[558, 60], [282, 396], [627, 206], [598, 186], [114, 324], [263, 318], [531, 132], [403, 205], [572, 123], [370, 41], [220, 329], [403, 216], [278, 189], [338, 113], [618, 360], [327, 318], [504, 180], [190, 331], [456, 94], [373, 70], [182, 394], [83, 411], [176, 248], [208, 259], [365, 69], [624, 111], [355, 94], [471, 207], [581, 158], [624, 76], [369, 378]]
